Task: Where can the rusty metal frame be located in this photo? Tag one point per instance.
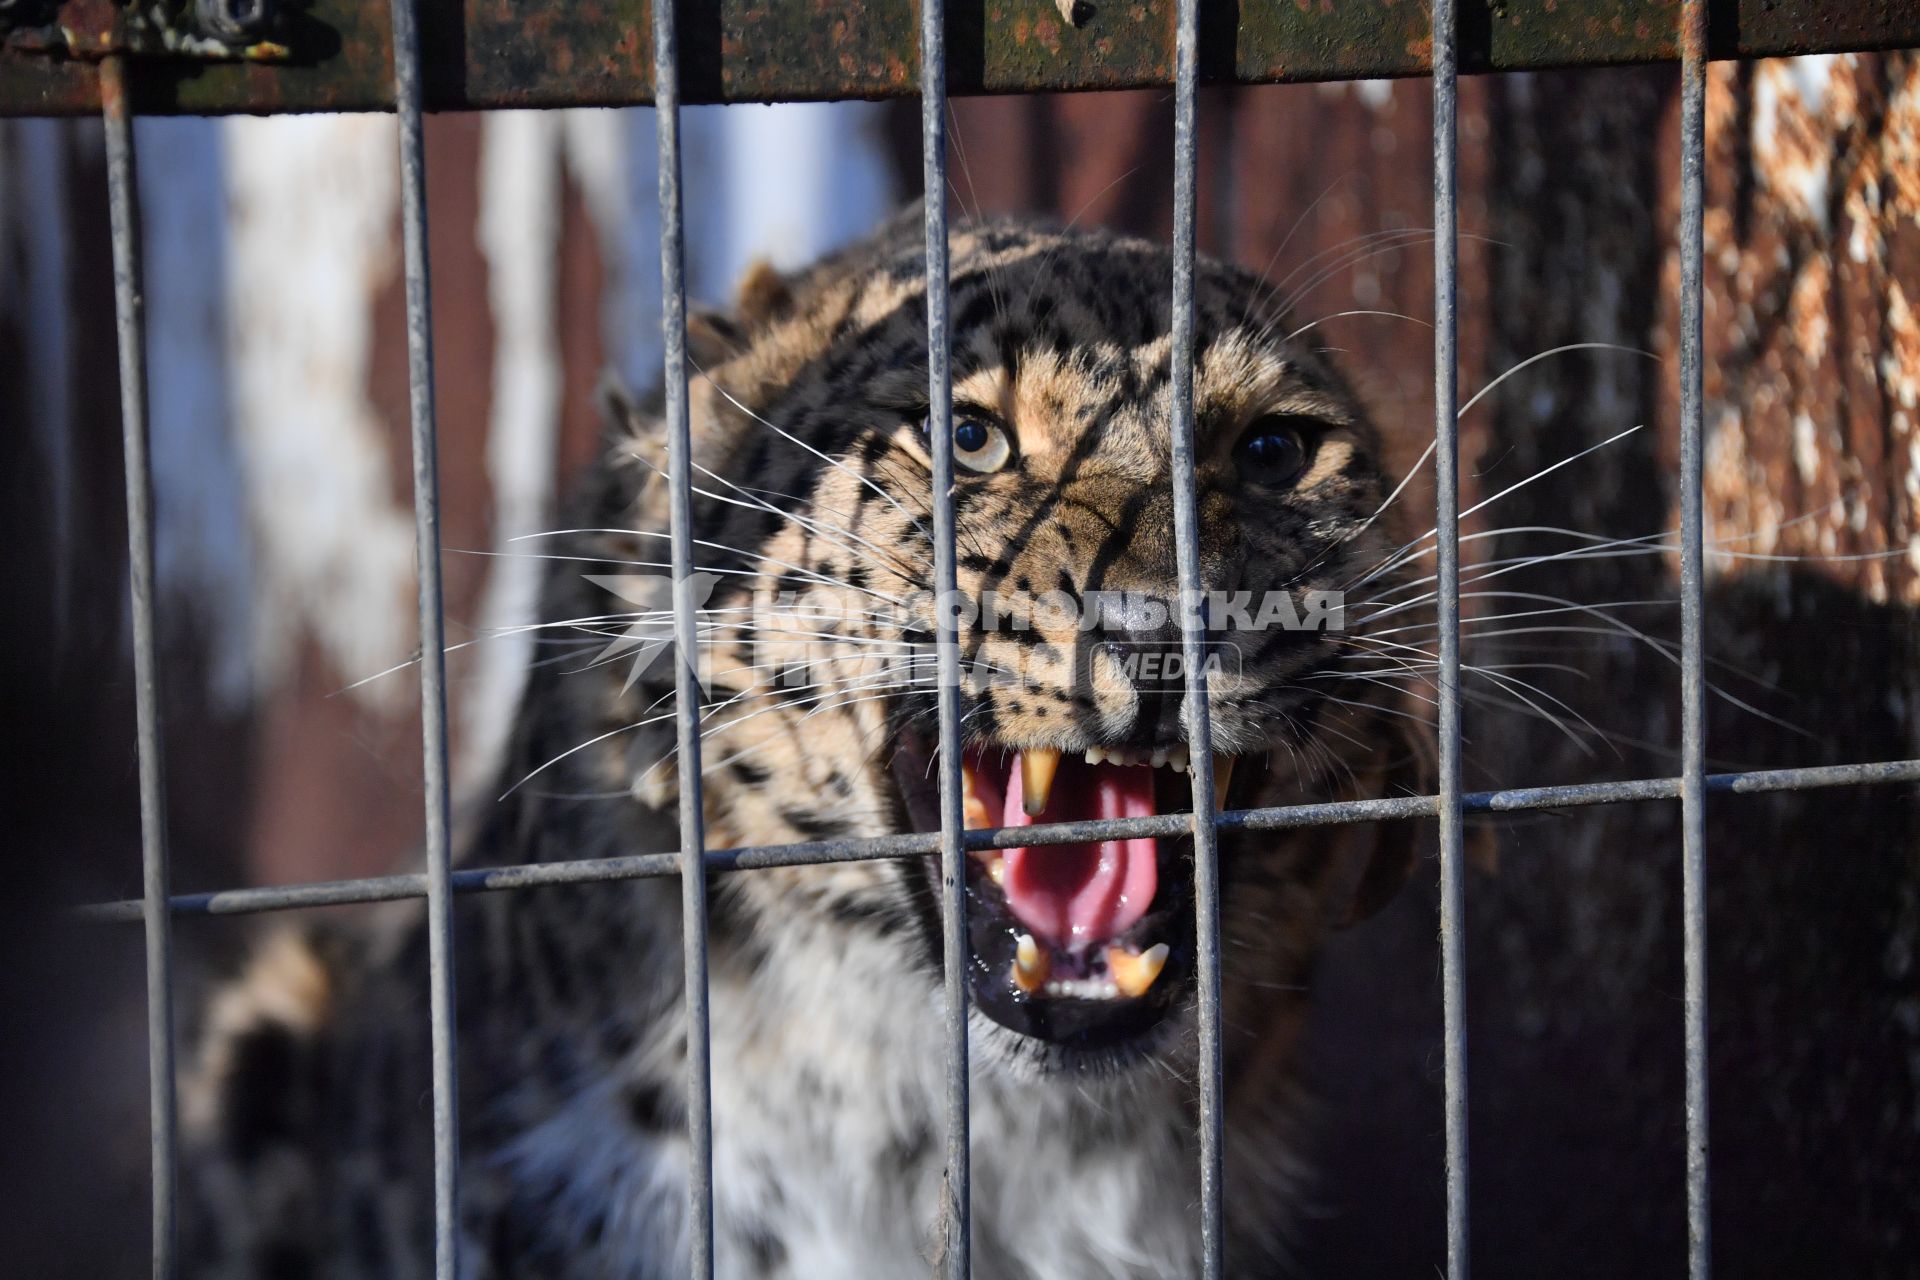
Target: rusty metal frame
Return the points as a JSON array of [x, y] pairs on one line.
[[337, 54]]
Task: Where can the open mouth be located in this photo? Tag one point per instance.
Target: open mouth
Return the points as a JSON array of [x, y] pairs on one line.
[[1083, 945]]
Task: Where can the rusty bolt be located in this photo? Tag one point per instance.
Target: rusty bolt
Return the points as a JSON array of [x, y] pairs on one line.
[[234, 21]]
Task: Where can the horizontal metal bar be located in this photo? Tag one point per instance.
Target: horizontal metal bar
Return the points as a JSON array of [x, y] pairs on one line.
[[500, 55], [330, 893]]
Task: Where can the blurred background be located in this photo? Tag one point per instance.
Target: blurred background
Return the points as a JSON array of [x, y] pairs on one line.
[[278, 364]]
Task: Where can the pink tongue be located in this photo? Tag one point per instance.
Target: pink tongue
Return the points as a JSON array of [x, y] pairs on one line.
[[1075, 895]]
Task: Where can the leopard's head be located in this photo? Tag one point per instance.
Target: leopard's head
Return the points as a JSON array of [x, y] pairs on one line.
[[816, 554]]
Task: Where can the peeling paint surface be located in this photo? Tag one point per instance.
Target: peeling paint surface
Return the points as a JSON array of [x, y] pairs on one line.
[[313, 207]]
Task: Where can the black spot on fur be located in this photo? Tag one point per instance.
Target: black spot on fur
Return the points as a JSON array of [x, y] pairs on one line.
[[873, 917], [261, 1091], [917, 877], [751, 774], [814, 825], [768, 1252], [997, 566], [650, 1110]]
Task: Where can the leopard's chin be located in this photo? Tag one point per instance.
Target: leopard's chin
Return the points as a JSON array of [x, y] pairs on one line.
[[1086, 950]]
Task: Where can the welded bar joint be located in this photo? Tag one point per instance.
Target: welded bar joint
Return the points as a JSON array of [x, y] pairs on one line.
[[955, 1227], [433, 665], [692, 865], [1693, 715], [129, 301], [1447, 539]]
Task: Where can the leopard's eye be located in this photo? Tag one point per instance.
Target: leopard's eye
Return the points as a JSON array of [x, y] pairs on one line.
[[979, 444], [1274, 450]]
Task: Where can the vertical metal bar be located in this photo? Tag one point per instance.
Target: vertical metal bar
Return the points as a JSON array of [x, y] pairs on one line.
[[129, 303], [956, 1211], [1693, 723], [433, 664], [1447, 527], [1186, 529], [693, 837]]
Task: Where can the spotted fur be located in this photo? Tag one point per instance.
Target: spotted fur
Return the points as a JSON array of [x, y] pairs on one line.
[[311, 1104]]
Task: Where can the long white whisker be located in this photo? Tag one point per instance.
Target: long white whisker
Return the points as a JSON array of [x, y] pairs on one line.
[[836, 465]]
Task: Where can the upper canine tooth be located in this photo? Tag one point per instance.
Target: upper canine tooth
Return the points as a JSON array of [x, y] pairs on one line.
[[1093, 755], [1037, 767], [1222, 777], [1132, 974], [1030, 965]]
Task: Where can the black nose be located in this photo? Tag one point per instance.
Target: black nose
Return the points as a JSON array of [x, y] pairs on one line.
[[1141, 632], [1132, 617]]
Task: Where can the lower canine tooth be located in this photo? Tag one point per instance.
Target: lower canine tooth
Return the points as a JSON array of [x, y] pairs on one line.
[[1030, 965], [1132, 974], [972, 806], [1037, 767], [1222, 777]]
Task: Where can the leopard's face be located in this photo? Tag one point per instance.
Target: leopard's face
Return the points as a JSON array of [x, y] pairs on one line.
[[814, 521]]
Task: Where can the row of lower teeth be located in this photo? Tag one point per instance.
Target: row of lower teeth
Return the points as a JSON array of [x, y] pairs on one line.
[[1128, 973]]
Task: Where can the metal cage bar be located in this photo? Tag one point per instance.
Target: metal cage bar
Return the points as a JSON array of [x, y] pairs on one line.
[[129, 303], [1186, 536], [334, 893], [433, 667], [1446, 523], [916, 845], [1693, 680], [954, 1230], [692, 864]]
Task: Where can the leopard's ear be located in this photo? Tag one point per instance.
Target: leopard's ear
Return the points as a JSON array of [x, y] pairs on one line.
[[763, 298]]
